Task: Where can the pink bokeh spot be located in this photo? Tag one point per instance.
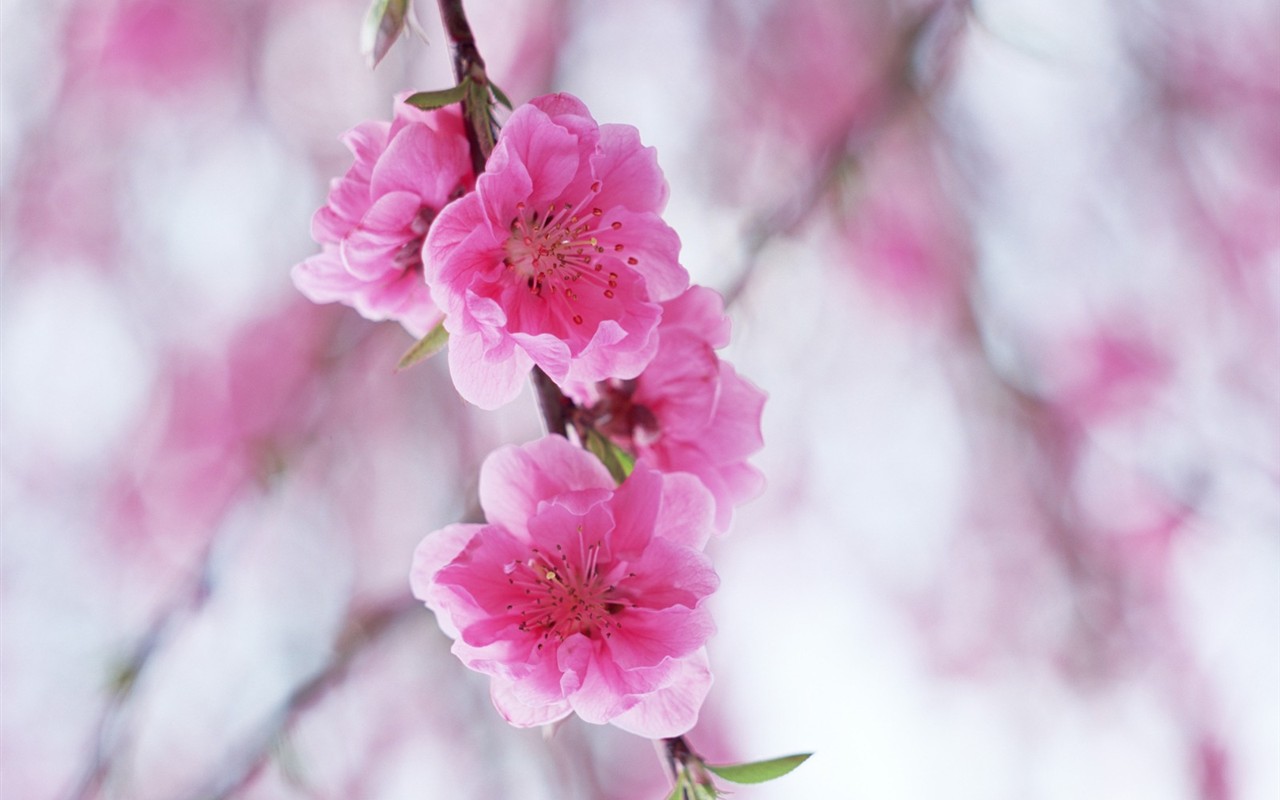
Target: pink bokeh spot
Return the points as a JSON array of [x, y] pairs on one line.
[[372, 228], [559, 258], [579, 596]]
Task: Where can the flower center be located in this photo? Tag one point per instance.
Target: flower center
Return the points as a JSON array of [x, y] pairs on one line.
[[617, 415], [558, 254], [409, 256], [563, 596]]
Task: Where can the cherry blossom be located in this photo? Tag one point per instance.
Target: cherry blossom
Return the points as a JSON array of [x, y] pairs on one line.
[[689, 411], [578, 595], [372, 228], [559, 257]]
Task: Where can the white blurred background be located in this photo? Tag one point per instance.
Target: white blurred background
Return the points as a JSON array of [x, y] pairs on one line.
[[1009, 271]]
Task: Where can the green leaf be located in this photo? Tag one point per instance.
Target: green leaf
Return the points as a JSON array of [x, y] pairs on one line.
[[444, 97], [383, 24], [759, 771], [425, 348], [500, 96], [618, 461]]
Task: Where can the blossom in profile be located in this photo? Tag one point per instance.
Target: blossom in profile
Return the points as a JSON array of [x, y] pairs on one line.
[[559, 258], [578, 595], [688, 411], [372, 228]]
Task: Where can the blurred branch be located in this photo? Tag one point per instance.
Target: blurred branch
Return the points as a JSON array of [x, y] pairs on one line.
[[189, 600], [844, 152], [362, 630]]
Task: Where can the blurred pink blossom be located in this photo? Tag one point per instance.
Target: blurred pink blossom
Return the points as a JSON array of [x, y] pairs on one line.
[[559, 257], [689, 411], [372, 228], [579, 596]]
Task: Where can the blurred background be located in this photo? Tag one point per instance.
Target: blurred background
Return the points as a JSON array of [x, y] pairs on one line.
[[1009, 271]]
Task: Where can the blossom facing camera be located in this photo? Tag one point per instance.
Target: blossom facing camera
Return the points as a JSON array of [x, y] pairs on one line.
[[372, 228], [559, 258], [579, 596], [689, 411]]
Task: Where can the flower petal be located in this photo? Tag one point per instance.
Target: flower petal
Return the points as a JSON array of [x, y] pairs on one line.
[[515, 480], [420, 161], [673, 709], [487, 382], [628, 171]]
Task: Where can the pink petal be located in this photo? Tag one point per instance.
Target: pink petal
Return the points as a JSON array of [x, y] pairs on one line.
[[486, 382], [506, 698], [635, 509], [654, 246], [421, 161], [736, 433], [673, 709], [369, 250], [323, 279], [649, 636], [431, 556], [686, 514], [682, 384], [447, 261], [699, 310], [534, 150], [628, 171], [670, 574], [515, 480]]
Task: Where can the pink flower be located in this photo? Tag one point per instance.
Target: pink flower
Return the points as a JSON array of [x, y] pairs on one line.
[[559, 257], [578, 596], [688, 411], [372, 228]]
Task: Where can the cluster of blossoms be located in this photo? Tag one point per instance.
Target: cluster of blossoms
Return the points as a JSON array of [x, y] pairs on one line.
[[579, 594]]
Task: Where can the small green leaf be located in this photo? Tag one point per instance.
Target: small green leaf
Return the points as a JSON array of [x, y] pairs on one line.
[[618, 461], [383, 24], [500, 95], [425, 348], [759, 771], [444, 97]]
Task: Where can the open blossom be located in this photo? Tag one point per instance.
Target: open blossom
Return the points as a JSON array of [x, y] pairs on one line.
[[578, 595], [372, 228], [689, 411], [559, 257]]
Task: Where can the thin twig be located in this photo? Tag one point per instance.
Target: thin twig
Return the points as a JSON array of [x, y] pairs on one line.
[[469, 66]]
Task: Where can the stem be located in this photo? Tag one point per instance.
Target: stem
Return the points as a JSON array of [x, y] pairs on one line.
[[555, 407], [477, 116], [469, 65]]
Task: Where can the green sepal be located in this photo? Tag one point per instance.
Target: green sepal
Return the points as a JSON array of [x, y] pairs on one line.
[[383, 24], [500, 96], [618, 461], [759, 771], [428, 101], [425, 348], [478, 108], [705, 791]]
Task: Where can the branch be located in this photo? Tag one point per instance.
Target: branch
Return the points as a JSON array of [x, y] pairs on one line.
[[477, 115], [469, 66]]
